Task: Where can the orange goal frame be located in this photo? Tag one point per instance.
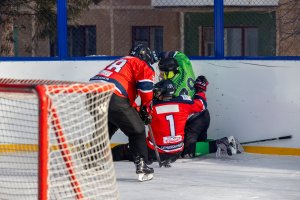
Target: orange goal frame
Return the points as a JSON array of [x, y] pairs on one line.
[[42, 89]]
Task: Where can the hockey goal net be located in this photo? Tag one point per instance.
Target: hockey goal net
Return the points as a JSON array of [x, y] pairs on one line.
[[54, 141]]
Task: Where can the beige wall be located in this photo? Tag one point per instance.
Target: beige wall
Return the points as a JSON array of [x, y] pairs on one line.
[[116, 38], [123, 26], [288, 27], [99, 18]]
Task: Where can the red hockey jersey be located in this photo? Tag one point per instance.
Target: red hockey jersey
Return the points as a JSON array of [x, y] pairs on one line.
[[131, 76], [169, 119]]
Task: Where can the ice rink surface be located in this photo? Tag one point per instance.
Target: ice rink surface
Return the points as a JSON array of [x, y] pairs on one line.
[[239, 177]]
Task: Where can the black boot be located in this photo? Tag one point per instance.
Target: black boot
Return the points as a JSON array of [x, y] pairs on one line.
[[142, 167]]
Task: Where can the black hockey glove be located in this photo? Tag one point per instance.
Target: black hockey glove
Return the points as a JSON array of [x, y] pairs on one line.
[[201, 84], [145, 114]]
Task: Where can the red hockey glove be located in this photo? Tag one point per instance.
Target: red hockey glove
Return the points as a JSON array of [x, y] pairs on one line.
[[201, 84], [145, 113]]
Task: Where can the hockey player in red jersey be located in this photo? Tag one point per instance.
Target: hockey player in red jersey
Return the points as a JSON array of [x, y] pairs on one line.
[[179, 122], [169, 117], [133, 76]]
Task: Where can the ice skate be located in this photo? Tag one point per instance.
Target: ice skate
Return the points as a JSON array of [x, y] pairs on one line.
[[145, 177], [144, 172], [222, 145], [234, 146], [228, 146]]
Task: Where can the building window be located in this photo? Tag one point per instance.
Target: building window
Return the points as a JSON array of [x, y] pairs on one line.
[[149, 35], [207, 44], [238, 41], [81, 41]]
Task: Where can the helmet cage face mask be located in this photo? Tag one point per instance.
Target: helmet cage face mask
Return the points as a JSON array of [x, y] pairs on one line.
[[142, 52], [156, 93], [168, 64], [164, 89], [168, 75]]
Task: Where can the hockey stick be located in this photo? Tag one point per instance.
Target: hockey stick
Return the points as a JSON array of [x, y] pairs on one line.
[[155, 146], [270, 139]]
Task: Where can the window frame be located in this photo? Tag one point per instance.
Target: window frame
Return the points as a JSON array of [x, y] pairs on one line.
[[148, 41], [243, 37]]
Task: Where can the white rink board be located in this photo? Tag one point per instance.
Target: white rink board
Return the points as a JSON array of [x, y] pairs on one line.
[[248, 99]]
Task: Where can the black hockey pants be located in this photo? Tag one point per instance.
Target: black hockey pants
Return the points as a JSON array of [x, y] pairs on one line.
[[123, 152], [195, 131], [124, 117]]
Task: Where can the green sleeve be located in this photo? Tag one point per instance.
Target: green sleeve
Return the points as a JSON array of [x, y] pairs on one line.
[[184, 80]]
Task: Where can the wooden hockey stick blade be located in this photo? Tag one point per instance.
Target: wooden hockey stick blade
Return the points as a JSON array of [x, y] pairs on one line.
[[269, 139]]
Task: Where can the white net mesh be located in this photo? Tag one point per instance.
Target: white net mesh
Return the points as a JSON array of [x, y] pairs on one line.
[[80, 164]]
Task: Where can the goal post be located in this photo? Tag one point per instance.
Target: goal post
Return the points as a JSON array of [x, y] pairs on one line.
[[54, 141]]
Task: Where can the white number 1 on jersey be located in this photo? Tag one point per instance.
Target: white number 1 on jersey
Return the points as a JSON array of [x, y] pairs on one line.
[[170, 118]]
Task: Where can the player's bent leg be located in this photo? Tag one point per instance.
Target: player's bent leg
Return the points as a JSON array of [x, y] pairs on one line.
[[131, 125], [189, 145]]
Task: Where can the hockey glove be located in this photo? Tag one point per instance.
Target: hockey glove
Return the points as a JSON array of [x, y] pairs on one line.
[[145, 113], [201, 84]]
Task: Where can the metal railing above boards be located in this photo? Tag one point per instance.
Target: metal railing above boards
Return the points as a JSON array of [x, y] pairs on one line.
[[106, 30]]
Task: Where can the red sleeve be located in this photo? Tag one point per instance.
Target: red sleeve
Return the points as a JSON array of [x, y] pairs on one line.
[[144, 80], [201, 95]]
